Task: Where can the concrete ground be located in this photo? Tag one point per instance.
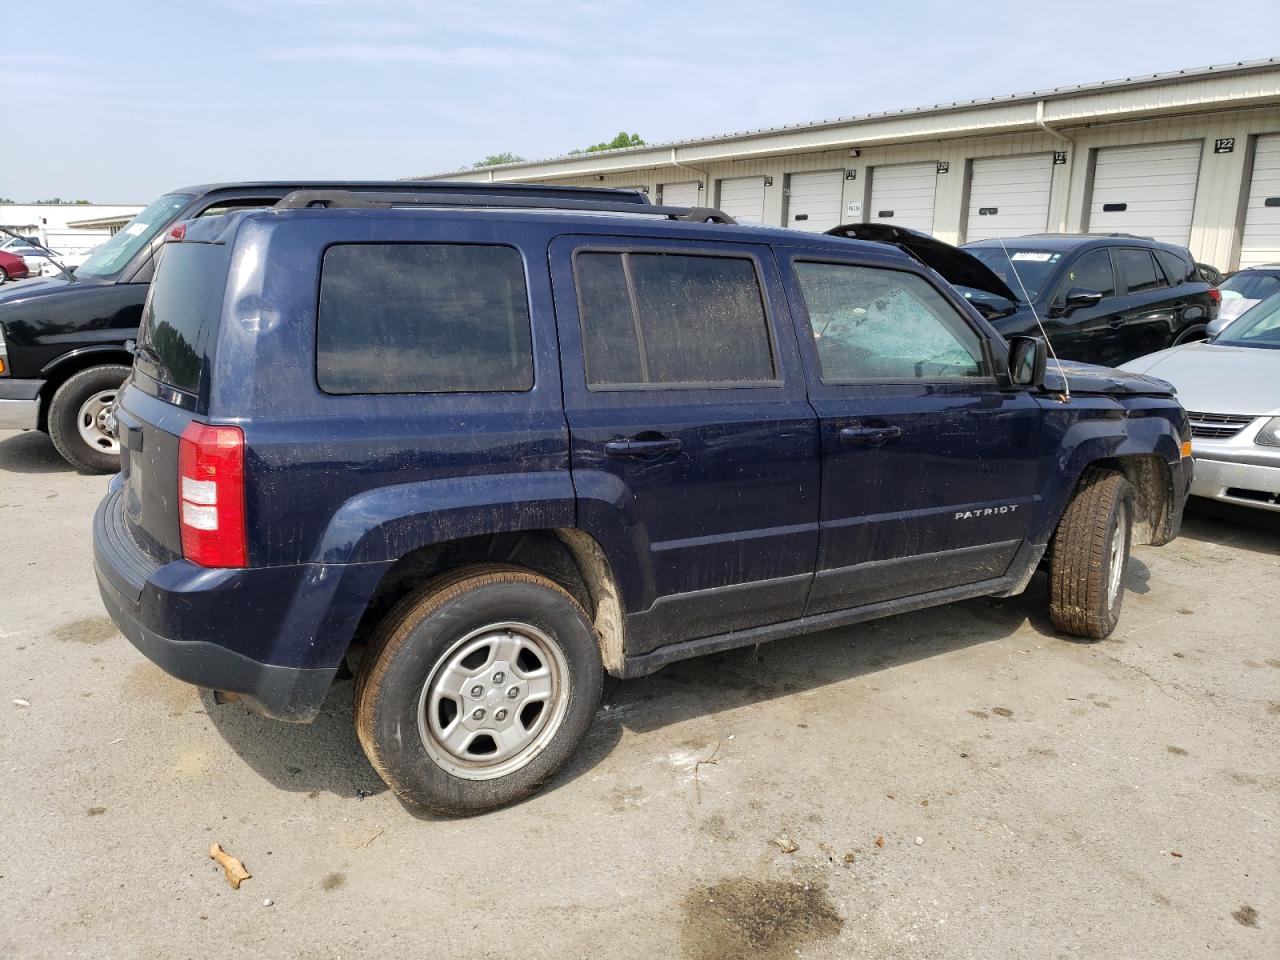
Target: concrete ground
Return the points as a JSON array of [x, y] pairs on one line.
[[959, 782]]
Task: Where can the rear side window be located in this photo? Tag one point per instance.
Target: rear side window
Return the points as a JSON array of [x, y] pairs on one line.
[[182, 311], [423, 318], [1176, 270], [672, 320], [1138, 269]]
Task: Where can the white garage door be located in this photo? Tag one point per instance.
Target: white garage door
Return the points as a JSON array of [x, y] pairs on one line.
[[1009, 196], [813, 200], [680, 194], [1261, 242], [1148, 190], [743, 199], [903, 195]]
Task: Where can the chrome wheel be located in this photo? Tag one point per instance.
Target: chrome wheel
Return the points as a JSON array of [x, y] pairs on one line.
[[1119, 540], [494, 701], [92, 422]]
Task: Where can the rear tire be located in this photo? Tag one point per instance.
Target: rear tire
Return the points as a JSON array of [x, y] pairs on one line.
[[4, 276], [1191, 335], [75, 418], [1089, 553], [477, 688]]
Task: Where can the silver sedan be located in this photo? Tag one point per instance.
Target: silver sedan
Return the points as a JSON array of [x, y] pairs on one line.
[[1230, 386]]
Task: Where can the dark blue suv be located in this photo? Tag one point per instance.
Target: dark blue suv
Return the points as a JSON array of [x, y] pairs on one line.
[[484, 451]]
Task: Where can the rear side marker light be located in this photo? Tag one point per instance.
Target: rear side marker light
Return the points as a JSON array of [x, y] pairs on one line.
[[211, 495]]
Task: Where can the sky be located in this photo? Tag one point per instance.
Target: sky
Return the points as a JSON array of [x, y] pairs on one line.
[[120, 102]]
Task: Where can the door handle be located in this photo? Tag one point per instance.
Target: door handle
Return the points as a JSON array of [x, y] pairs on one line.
[[642, 449], [1116, 322], [868, 436]]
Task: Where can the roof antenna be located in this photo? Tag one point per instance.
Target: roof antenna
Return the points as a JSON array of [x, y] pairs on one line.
[[1066, 387]]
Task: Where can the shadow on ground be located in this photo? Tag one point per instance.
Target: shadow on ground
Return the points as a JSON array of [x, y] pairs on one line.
[[326, 755], [31, 452]]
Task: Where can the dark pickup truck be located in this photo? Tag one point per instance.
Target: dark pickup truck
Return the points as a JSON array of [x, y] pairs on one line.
[[68, 341], [484, 452]]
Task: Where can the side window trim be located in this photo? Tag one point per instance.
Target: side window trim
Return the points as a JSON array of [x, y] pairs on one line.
[[614, 246], [801, 309]]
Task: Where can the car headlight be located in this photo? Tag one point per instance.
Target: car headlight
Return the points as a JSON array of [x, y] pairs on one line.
[[1269, 435]]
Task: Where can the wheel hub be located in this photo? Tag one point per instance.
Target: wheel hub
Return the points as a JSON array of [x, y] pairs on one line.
[[493, 701], [93, 422]]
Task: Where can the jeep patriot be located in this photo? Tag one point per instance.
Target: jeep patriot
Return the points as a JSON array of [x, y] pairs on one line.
[[482, 451]]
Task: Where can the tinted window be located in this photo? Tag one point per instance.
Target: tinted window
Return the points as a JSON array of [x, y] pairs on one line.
[[873, 324], [657, 318], [1138, 269], [1090, 272], [1176, 269], [182, 310], [423, 318]]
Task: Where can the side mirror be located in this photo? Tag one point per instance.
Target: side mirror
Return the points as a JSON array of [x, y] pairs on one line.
[[1078, 297], [1028, 357]]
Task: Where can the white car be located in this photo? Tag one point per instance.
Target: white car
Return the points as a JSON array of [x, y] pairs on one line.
[[39, 257], [1242, 290], [1230, 387], [68, 260]]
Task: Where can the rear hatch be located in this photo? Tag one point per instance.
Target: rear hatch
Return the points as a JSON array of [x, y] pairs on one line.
[[168, 388]]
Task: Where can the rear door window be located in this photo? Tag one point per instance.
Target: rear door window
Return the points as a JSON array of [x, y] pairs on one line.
[[1138, 269], [665, 319], [181, 313], [423, 318]]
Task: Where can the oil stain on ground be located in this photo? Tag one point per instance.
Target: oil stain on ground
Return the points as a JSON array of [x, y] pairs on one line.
[[89, 630], [760, 919]]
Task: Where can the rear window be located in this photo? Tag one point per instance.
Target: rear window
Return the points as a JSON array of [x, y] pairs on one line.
[[182, 311], [657, 319], [423, 318]]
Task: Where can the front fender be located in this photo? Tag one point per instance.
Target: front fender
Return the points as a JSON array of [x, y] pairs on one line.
[[1105, 431], [389, 522]]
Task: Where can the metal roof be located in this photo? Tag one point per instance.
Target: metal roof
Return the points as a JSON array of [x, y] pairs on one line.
[[1049, 94]]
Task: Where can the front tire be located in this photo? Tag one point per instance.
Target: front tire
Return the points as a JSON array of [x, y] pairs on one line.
[[476, 689], [1089, 553], [77, 417]]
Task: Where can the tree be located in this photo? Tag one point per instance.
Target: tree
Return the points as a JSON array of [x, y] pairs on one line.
[[56, 200], [623, 139], [496, 158]]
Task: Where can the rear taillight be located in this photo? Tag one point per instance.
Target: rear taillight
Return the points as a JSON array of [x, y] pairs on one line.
[[1215, 294], [211, 495]]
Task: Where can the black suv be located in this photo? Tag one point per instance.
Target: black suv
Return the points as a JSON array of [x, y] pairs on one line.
[[68, 341], [485, 456], [1102, 299]]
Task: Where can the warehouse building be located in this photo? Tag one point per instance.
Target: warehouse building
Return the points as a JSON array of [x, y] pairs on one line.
[[1191, 157], [67, 227]]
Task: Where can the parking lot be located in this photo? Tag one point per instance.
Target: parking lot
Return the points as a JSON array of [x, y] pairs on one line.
[[959, 782]]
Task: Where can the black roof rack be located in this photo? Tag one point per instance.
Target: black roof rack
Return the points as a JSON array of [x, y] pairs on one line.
[[350, 199]]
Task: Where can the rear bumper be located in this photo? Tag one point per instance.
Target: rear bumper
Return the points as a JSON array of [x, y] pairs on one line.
[[273, 635], [1246, 484], [19, 404]]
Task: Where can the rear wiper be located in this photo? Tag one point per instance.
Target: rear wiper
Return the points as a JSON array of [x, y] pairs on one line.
[[145, 350]]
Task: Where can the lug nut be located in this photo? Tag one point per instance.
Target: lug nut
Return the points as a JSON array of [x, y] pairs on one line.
[[513, 693], [500, 715], [499, 677], [477, 692], [478, 715]]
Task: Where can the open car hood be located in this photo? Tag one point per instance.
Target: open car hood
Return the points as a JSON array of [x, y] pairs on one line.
[[951, 263]]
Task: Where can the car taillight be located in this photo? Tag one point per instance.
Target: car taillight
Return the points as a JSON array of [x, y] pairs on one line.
[[211, 495], [1215, 294]]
